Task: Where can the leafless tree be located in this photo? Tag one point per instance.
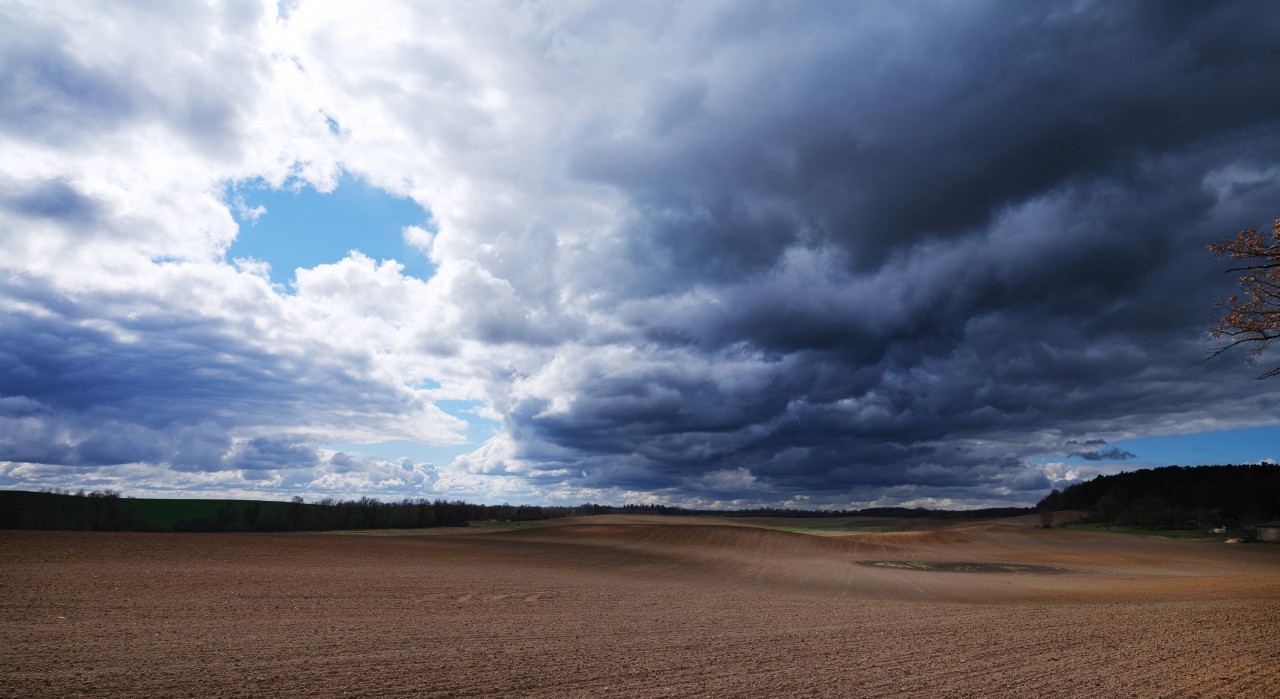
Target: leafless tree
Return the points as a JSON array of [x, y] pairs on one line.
[[1252, 317]]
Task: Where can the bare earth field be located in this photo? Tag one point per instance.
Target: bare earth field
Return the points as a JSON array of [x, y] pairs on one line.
[[639, 607]]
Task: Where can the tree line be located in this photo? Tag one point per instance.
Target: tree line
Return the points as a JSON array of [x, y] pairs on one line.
[[107, 510], [1177, 497]]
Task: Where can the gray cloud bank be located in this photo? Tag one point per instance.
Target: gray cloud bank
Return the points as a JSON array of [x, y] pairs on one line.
[[821, 253]]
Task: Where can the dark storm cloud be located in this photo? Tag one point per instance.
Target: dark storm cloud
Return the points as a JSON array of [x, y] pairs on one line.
[[54, 97], [988, 227], [84, 385], [929, 131], [53, 199], [264, 454], [1112, 454]]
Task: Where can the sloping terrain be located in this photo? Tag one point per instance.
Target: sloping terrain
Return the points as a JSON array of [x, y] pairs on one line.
[[637, 606]]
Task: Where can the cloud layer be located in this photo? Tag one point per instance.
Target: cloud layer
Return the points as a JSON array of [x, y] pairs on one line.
[[825, 253]]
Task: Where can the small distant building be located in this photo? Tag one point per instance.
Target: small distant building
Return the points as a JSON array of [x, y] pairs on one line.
[[1269, 531]]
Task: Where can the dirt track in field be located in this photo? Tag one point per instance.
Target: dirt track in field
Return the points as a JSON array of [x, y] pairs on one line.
[[638, 607]]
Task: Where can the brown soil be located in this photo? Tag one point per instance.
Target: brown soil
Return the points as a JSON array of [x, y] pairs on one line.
[[963, 567], [638, 607]]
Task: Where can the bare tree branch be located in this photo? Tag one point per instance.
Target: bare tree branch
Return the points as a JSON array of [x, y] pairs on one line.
[[1253, 317]]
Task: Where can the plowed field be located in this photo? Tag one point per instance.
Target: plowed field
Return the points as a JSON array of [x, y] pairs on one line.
[[638, 607]]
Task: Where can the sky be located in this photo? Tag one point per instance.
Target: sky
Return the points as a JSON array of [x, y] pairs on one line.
[[712, 254]]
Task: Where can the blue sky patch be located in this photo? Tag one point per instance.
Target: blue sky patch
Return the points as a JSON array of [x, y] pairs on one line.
[[479, 430], [1246, 446], [292, 228]]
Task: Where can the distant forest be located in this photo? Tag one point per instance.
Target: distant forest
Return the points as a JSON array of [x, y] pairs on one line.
[[1177, 497], [108, 511], [1174, 497]]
